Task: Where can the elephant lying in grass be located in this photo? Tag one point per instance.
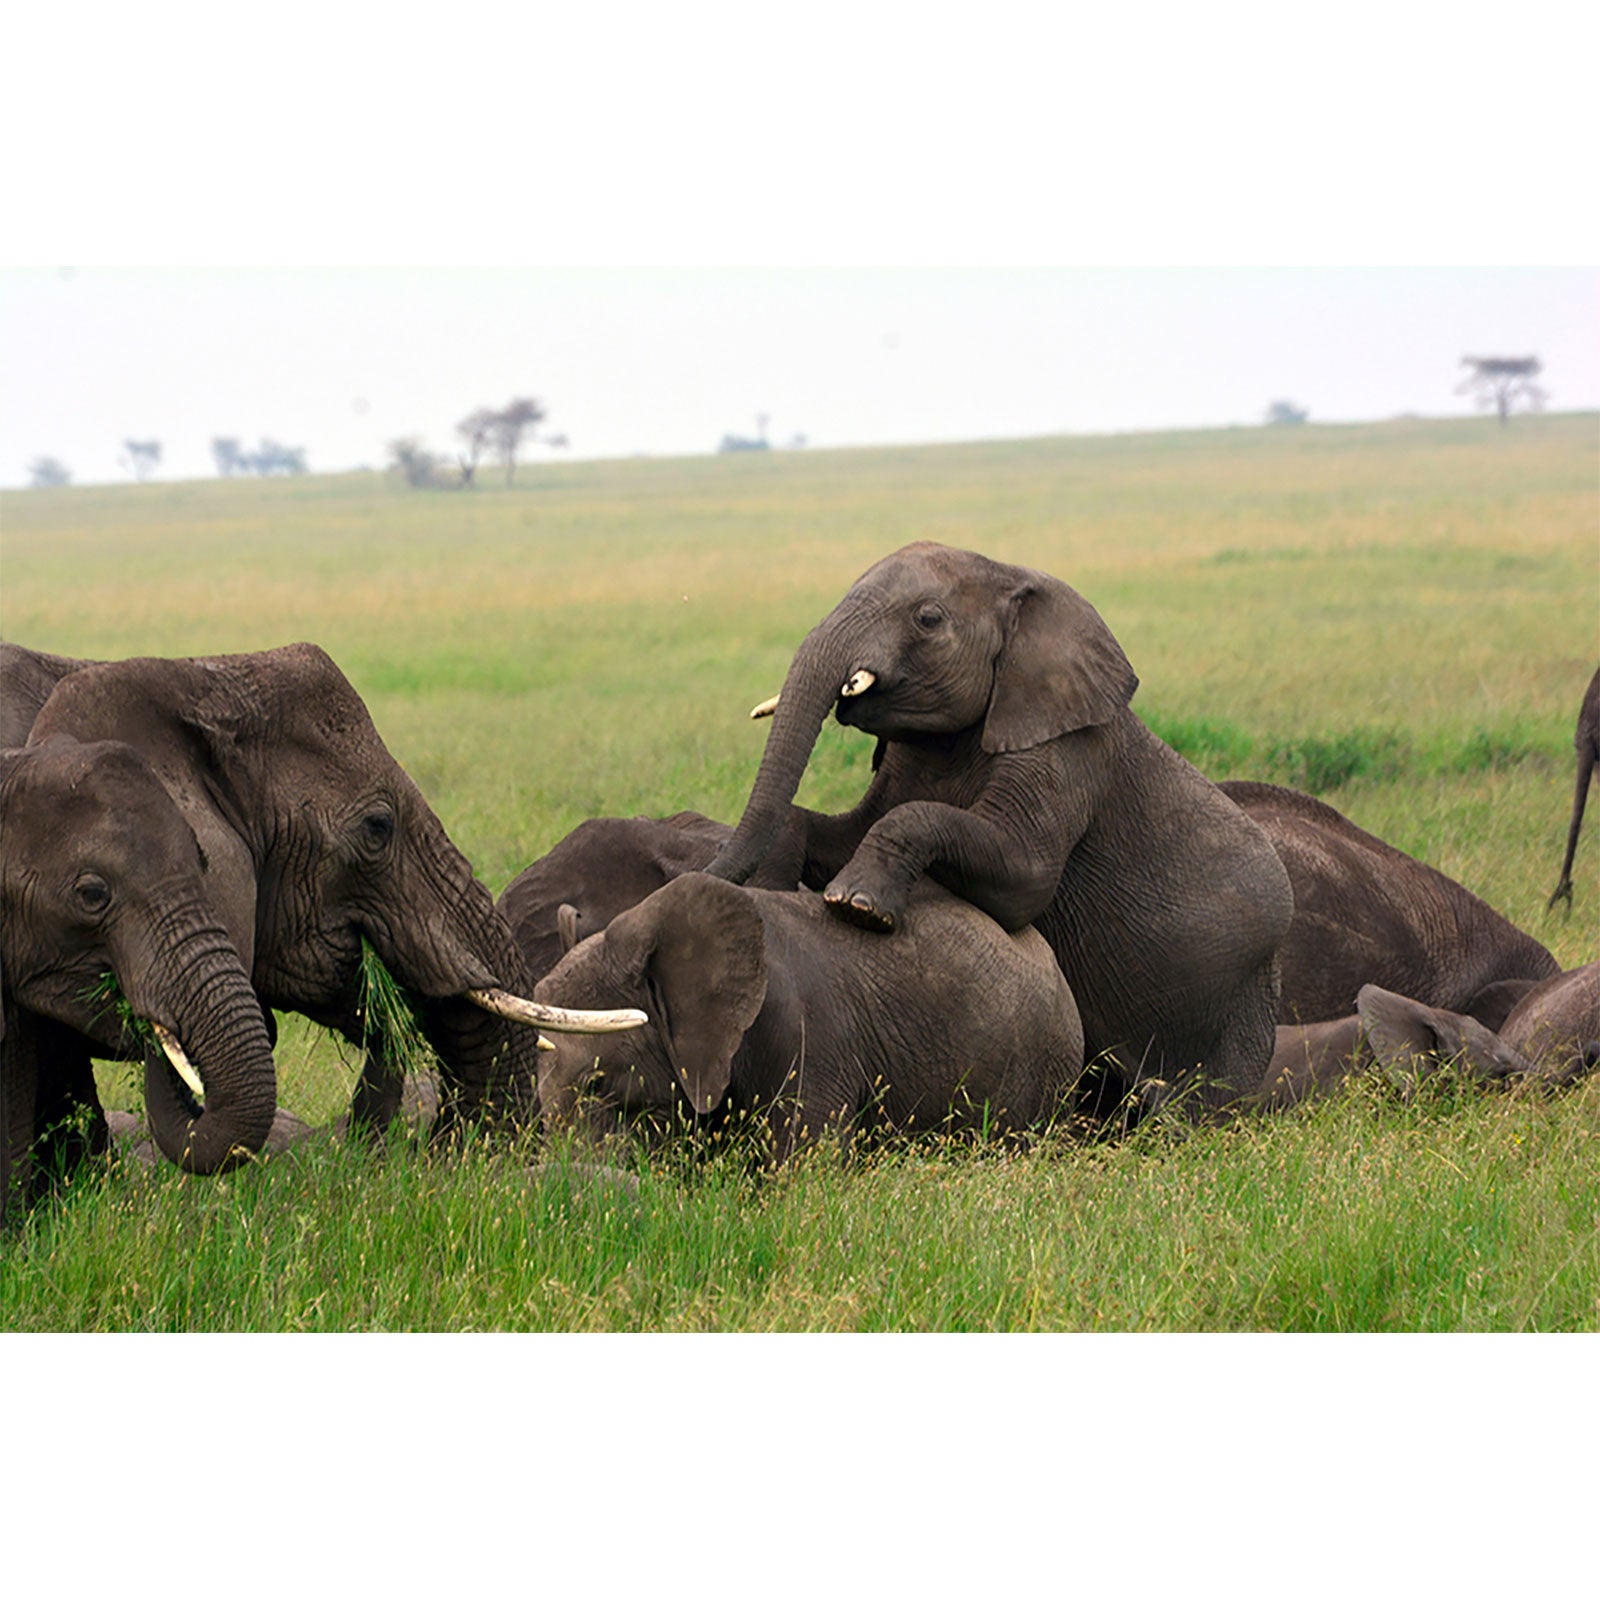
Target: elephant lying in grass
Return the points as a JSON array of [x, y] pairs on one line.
[[1010, 768], [1586, 738], [603, 867], [110, 945], [764, 1004], [1366, 913], [315, 846], [1550, 1037]]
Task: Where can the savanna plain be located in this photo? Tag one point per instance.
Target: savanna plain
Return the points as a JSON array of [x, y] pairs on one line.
[[1399, 617]]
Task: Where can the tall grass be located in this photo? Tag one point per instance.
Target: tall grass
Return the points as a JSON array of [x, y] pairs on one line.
[[1401, 617]]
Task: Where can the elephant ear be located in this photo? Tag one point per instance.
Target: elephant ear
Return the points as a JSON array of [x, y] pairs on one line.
[[1060, 668], [698, 949], [1411, 1039]]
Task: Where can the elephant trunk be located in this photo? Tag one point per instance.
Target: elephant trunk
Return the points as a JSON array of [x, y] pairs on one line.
[[219, 1028], [829, 657]]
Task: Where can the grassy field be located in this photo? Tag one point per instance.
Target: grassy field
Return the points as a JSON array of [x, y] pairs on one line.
[[1402, 617]]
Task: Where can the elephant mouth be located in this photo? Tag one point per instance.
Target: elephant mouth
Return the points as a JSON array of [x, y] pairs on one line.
[[856, 685]]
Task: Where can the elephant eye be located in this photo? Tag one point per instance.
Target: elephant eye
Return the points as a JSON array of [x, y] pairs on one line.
[[92, 892], [929, 616], [377, 828]]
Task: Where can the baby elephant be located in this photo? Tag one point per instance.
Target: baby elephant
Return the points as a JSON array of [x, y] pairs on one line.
[[761, 1002]]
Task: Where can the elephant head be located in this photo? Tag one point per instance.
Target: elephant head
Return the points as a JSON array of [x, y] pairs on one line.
[[929, 644], [693, 955], [27, 678], [314, 841], [103, 894]]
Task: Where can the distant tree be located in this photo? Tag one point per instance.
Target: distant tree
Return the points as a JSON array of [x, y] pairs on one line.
[[45, 472], [1285, 414], [141, 456], [477, 431], [733, 443], [556, 441], [271, 459], [1501, 381], [416, 465], [520, 417], [230, 459]]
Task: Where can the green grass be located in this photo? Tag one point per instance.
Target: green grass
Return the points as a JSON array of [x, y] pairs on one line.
[[1401, 617]]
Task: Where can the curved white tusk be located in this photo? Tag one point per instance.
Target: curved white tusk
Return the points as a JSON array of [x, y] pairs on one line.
[[557, 1019], [861, 680], [180, 1062], [765, 709], [544, 1043]]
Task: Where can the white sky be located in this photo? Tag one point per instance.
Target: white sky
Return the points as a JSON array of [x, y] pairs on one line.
[[666, 361], [870, 222]]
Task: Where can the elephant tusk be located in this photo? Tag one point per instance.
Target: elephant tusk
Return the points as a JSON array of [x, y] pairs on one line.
[[556, 1018], [180, 1062], [859, 682], [765, 709], [544, 1043]]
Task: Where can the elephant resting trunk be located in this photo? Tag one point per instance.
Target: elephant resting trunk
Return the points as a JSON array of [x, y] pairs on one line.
[[826, 665], [221, 1031]]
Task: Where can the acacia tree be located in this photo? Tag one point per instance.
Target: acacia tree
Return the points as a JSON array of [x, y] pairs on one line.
[[45, 472], [508, 427], [228, 456], [1501, 381], [477, 430], [141, 456]]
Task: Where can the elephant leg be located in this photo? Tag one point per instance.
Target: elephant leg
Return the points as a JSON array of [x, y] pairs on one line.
[[19, 1078], [992, 867], [378, 1094], [69, 1122]]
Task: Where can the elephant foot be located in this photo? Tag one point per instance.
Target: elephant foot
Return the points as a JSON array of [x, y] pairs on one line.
[[860, 908]]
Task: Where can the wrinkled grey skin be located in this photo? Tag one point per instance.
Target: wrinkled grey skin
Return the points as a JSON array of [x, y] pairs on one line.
[[761, 1002], [1550, 1037], [100, 874], [313, 838], [603, 867], [1010, 769], [1365, 912], [1586, 738], [27, 678]]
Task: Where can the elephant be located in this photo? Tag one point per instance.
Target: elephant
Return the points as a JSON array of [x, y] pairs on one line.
[[314, 841], [26, 680], [102, 878], [601, 868], [1365, 912], [1010, 768], [763, 1003], [1550, 1037], [1587, 740]]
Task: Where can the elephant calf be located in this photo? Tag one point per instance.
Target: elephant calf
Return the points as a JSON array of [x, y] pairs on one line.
[[762, 1002]]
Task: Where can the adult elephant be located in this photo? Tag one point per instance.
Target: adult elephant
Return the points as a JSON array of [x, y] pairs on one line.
[[315, 841], [109, 939], [1587, 740], [27, 678], [1010, 768], [1367, 913], [1551, 1038], [763, 1003]]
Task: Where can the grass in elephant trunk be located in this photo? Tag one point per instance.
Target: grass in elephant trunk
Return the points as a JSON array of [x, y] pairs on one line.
[[105, 994], [390, 1027]]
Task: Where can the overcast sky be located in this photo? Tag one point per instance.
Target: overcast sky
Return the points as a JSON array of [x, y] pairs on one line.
[[665, 361], [831, 198]]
